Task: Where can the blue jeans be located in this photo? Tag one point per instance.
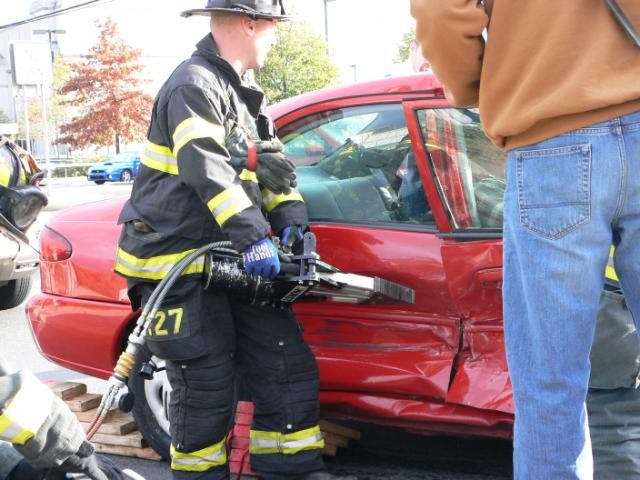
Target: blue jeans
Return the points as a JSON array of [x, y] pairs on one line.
[[568, 199]]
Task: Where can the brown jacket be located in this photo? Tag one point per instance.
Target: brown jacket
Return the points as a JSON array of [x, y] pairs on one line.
[[547, 67]]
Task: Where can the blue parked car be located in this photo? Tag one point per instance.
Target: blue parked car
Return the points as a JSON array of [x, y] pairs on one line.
[[123, 167]]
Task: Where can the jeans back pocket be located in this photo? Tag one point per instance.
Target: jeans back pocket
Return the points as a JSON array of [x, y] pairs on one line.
[[554, 193]]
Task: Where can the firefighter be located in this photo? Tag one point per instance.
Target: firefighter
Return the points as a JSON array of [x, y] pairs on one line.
[[40, 438], [212, 169]]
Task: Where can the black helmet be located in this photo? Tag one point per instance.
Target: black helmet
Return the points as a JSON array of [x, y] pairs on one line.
[[267, 9]]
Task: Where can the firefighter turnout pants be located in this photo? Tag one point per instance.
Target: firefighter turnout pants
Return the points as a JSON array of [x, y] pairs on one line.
[[209, 341]]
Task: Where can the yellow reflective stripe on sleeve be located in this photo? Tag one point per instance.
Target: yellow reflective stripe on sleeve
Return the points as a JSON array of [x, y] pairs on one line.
[[154, 268], [610, 272], [229, 203], [196, 127], [5, 174], [287, 443], [248, 176], [201, 460], [26, 411], [272, 200], [159, 158]]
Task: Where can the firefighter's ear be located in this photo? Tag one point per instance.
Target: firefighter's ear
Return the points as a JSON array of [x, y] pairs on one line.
[[248, 25]]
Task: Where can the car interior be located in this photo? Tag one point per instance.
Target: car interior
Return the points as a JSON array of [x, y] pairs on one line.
[[369, 175]]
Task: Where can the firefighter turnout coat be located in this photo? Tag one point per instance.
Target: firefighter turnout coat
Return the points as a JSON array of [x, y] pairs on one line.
[[187, 192]]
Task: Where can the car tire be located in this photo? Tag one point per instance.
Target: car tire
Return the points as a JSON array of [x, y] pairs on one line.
[[151, 402], [14, 292], [98, 182], [126, 176]]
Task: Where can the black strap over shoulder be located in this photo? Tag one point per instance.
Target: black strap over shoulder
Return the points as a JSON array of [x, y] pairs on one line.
[[624, 21]]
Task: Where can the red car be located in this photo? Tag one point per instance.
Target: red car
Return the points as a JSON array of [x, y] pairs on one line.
[[398, 185]]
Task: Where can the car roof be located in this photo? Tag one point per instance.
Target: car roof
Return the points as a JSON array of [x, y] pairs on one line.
[[407, 86]]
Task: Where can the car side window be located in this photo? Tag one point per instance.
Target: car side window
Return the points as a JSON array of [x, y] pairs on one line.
[[469, 168], [357, 164]]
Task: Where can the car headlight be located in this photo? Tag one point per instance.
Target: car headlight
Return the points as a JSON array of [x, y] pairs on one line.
[[21, 206]]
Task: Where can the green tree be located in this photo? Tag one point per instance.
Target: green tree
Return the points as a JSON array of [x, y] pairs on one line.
[[297, 64], [4, 118], [104, 89], [404, 45]]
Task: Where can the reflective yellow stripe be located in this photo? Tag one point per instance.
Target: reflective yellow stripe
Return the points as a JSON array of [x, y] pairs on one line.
[[201, 460], [5, 174], [287, 443], [272, 200], [196, 127], [159, 158], [229, 203], [154, 268], [26, 412], [248, 176], [610, 272]]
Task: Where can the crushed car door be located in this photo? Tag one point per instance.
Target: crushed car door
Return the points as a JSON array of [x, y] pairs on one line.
[[465, 173], [370, 216]]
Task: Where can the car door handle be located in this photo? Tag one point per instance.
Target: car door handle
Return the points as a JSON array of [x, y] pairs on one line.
[[488, 278]]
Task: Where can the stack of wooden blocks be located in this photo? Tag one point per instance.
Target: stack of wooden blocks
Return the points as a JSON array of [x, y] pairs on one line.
[[119, 433]]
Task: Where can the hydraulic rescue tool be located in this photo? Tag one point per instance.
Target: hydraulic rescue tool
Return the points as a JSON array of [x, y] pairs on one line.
[[301, 276]]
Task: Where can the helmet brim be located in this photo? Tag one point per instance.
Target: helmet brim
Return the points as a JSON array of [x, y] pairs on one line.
[[234, 11]]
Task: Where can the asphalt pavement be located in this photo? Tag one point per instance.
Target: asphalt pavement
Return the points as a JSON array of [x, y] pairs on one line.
[[381, 454]]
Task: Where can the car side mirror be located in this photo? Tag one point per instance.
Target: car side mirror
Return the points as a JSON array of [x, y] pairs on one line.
[[22, 205]]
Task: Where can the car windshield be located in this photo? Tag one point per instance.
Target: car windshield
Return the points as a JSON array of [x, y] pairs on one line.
[[123, 157]]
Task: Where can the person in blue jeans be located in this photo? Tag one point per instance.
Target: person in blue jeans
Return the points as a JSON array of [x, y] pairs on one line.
[[557, 87]]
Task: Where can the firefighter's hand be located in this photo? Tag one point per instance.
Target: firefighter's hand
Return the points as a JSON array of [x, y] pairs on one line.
[[274, 170], [291, 238], [261, 259], [84, 461]]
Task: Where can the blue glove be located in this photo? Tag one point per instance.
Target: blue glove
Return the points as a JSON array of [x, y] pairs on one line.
[[291, 237], [261, 259]]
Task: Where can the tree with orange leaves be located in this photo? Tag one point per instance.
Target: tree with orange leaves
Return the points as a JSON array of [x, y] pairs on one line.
[[104, 88]]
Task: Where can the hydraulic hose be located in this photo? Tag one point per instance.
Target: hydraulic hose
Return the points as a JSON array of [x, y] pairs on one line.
[[136, 339]]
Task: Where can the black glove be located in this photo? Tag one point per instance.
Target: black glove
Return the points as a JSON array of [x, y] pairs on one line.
[[24, 471], [291, 239], [84, 461], [274, 170]]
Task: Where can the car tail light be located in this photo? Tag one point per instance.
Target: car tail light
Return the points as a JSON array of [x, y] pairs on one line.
[[53, 246]]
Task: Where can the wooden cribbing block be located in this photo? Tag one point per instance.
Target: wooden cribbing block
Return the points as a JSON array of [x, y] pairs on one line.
[[84, 402], [118, 434], [329, 450], [115, 426], [337, 440], [330, 427], [146, 453], [89, 415], [133, 439], [67, 390], [336, 436]]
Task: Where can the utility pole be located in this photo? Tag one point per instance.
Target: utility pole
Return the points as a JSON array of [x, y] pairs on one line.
[[326, 23], [50, 34], [43, 95]]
